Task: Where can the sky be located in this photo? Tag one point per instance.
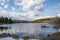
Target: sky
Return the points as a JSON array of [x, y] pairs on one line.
[[29, 9]]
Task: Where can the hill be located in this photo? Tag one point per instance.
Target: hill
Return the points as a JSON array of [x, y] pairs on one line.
[[47, 20]]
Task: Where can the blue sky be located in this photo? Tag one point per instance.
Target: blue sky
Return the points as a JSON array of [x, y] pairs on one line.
[[29, 9]]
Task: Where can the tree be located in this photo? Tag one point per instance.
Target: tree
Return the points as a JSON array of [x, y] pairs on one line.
[[10, 20], [2, 19], [5, 20]]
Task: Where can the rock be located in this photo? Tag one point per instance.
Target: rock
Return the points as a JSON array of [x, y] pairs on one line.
[[57, 27]]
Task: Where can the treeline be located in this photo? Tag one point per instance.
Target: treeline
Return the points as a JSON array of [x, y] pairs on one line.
[[5, 20]]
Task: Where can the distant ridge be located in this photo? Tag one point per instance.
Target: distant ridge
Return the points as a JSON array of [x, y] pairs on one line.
[[46, 20]]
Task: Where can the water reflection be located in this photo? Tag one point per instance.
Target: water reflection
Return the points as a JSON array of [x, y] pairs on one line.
[[14, 36], [4, 28], [26, 30]]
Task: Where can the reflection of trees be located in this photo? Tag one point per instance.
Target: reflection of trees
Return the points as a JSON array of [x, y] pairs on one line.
[[4, 28]]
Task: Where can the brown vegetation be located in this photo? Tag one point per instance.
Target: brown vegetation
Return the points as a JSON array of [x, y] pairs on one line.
[[45, 20], [55, 36], [26, 37]]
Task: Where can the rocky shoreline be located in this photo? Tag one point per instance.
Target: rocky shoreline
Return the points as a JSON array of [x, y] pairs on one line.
[[55, 36]]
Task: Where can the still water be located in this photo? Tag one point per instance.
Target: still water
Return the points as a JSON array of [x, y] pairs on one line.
[[33, 30]]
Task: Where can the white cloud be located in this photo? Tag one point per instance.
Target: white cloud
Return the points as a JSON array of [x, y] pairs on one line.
[[4, 13], [0, 8], [13, 15], [17, 2], [19, 16], [13, 8], [8, 0], [6, 6], [27, 4], [58, 15], [2, 4], [2, 0], [39, 7]]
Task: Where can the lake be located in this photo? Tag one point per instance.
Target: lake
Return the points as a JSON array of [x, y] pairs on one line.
[[33, 30]]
